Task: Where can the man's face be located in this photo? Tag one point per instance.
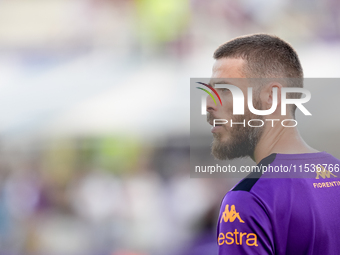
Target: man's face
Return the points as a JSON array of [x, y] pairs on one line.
[[236, 141]]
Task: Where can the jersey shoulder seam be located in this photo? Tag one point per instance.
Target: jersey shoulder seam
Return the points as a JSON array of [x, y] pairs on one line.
[[247, 183]]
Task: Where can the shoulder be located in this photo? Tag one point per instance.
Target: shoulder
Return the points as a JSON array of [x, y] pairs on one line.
[[247, 183]]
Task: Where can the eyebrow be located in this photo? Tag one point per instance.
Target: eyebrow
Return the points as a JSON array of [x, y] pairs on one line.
[[219, 82]]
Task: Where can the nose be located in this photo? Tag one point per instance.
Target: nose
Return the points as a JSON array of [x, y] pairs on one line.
[[211, 106]]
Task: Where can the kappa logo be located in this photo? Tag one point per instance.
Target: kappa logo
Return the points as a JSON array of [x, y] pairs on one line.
[[321, 171], [231, 215]]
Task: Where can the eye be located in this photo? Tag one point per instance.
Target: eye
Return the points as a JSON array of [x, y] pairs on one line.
[[223, 89]]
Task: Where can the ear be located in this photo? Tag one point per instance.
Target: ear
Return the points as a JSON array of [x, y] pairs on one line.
[[267, 96]]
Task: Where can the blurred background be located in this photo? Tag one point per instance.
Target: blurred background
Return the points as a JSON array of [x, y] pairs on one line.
[[94, 117]]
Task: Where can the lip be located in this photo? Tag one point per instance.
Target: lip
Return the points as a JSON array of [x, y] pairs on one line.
[[215, 129]]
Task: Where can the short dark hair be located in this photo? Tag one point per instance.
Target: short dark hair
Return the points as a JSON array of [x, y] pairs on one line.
[[266, 56]]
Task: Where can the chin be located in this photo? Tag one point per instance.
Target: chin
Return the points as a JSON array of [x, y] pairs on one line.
[[221, 138]]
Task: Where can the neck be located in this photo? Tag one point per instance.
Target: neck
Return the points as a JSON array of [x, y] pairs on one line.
[[284, 140]]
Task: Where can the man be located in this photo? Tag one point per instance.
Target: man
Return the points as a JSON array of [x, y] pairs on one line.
[[269, 212]]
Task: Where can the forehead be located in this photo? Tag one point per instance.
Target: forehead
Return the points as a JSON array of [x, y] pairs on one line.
[[228, 68]]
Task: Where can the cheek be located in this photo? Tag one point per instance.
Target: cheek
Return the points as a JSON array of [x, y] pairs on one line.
[[228, 109]]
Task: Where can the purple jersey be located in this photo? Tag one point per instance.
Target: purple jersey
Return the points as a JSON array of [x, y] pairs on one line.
[[290, 215]]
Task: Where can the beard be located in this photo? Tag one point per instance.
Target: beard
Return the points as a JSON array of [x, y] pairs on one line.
[[242, 140]]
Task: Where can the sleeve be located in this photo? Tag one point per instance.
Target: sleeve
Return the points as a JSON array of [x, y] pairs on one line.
[[244, 226]]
